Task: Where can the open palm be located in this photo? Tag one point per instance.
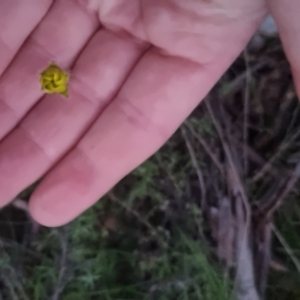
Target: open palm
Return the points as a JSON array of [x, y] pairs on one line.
[[137, 70]]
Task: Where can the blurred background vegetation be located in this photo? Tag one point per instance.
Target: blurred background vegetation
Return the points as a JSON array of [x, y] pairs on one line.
[[213, 215]]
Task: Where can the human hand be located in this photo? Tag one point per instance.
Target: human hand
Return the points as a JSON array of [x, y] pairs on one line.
[[133, 81]]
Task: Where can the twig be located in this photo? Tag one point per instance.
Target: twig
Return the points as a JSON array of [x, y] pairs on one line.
[[278, 266], [196, 167], [244, 279], [286, 247], [261, 248], [16, 282], [246, 113], [61, 282], [273, 204], [239, 80], [258, 159], [206, 147], [20, 204], [284, 146], [264, 216], [231, 163]]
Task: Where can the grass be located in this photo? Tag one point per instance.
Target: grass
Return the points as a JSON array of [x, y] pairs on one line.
[[285, 285], [110, 253]]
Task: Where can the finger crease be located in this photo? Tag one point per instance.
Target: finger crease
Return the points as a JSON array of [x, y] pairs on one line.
[[83, 90], [6, 105], [35, 143], [139, 119]]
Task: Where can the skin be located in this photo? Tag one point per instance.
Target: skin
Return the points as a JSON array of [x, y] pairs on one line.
[[137, 69]]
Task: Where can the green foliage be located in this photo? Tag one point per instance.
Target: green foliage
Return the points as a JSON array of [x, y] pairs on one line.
[[286, 285], [143, 256]]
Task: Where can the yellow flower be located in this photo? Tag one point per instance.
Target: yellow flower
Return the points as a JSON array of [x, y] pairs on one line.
[[54, 80]]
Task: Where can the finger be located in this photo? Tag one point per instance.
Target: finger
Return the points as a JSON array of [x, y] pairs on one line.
[[157, 97], [17, 19], [59, 37], [286, 14], [55, 124]]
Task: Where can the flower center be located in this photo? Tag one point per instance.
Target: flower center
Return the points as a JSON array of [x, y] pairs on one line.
[[54, 80]]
